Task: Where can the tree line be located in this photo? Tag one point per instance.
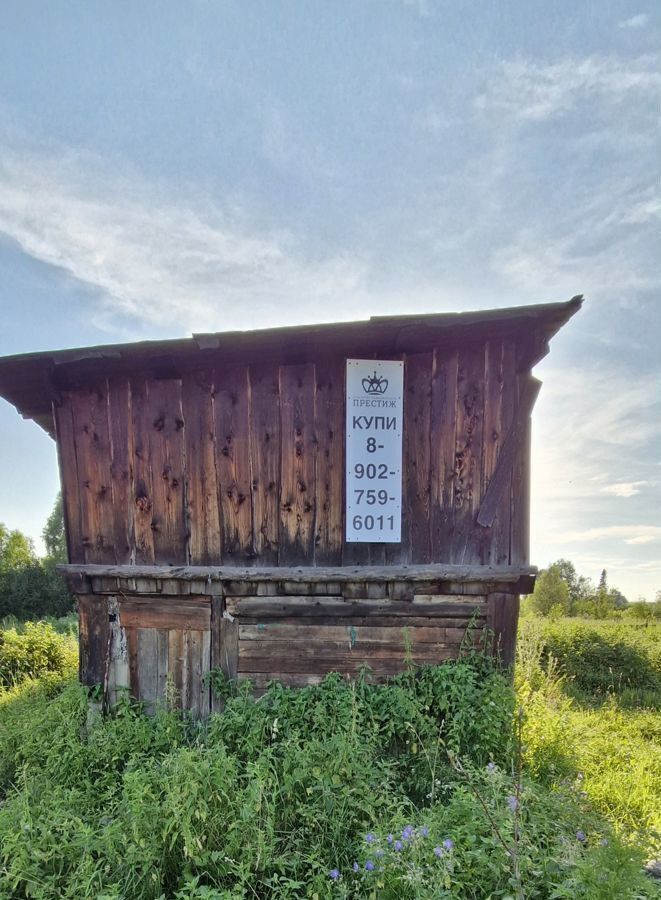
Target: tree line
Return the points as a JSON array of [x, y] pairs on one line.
[[561, 591], [30, 587]]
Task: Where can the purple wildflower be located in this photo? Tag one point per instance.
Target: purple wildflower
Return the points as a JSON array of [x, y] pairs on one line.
[[398, 846], [448, 844], [424, 831], [334, 874], [379, 853], [438, 851], [369, 865], [408, 832], [513, 803], [356, 867], [580, 836], [369, 838], [389, 839], [491, 768]]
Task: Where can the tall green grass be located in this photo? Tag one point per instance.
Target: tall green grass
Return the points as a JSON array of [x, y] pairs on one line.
[[283, 796], [592, 694]]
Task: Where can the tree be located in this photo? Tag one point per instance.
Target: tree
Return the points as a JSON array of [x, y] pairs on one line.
[[53, 533], [580, 588], [30, 588], [551, 594], [16, 550]]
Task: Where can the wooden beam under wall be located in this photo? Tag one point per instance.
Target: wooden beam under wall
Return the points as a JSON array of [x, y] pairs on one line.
[[309, 574]]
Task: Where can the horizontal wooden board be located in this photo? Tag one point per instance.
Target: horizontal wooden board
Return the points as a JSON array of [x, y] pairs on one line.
[[436, 572], [278, 632], [448, 598], [261, 680], [345, 665], [270, 652], [268, 608], [179, 613]]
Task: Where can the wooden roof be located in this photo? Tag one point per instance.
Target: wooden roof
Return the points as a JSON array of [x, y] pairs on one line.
[[32, 381]]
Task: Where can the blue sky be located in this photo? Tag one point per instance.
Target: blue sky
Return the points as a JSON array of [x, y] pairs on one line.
[[169, 167]]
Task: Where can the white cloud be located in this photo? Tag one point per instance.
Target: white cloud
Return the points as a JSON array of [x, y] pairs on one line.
[[630, 534], [624, 488], [162, 261], [533, 91], [638, 21], [600, 245]]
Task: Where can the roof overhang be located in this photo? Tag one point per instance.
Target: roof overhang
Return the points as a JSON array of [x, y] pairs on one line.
[[32, 382]]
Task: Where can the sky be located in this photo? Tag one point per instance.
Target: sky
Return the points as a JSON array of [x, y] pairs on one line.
[[168, 168]]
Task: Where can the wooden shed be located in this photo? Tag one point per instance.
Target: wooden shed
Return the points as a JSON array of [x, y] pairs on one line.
[[284, 503]]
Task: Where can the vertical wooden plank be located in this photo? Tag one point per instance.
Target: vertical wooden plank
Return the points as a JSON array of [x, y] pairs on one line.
[[204, 695], [66, 454], [118, 675], [265, 460], [520, 494], [442, 464], [176, 663], [202, 506], [166, 447], [90, 420], [503, 616], [162, 669], [231, 419], [229, 645], [93, 642], [142, 473], [132, 653], [329, 488], [468, 454], [417, 452], [510, 619], [194, 671], [298, 465], [148, 666], [185, 670], [214, 650], [120, 470], [500, 401]]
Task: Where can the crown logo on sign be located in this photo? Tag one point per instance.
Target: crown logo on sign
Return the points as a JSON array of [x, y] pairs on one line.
[[374, 384]]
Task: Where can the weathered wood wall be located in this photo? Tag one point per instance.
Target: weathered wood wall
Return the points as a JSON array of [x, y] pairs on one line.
[[243, 465], [158, 638]]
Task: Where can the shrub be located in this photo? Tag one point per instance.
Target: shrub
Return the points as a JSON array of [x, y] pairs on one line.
[[33, 651], [266, 799], [602, 657], [34, 591]]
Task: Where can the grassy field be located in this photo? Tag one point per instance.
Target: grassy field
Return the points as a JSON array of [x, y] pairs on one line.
[[415, 786], [592, 693]]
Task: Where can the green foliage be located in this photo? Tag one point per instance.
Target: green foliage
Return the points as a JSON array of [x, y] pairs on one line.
[[551, 594], [30, 588], [54, 534], [602, 658], [561, 591], [645, 612], [465, 848], [266, 799], [33, 651], [16, 550], [584, 722]]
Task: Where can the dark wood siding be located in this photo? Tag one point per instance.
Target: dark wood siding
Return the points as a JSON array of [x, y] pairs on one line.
[[244, 465]]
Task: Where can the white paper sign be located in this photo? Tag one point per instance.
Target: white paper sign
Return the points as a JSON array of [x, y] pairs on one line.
[[374, 451]]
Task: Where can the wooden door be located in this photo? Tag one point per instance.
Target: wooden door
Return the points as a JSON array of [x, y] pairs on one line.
[[168, 650]]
